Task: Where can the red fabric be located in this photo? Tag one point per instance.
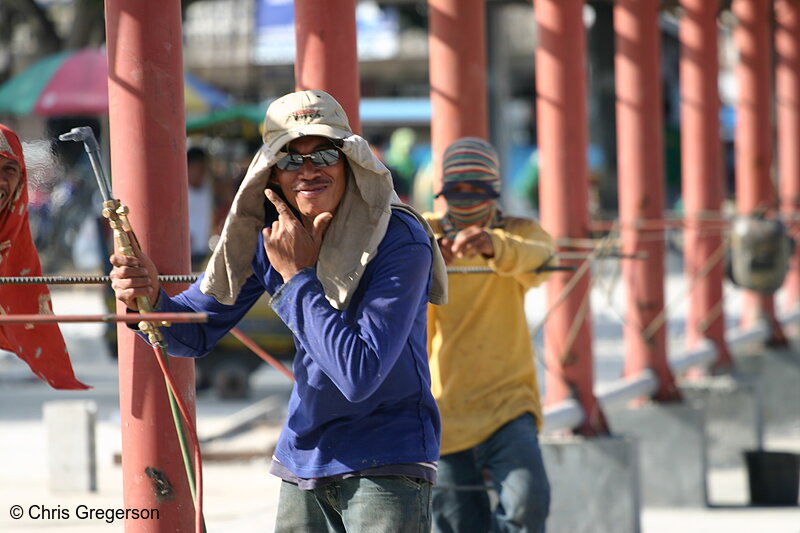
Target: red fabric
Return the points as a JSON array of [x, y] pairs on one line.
[[39, 345]]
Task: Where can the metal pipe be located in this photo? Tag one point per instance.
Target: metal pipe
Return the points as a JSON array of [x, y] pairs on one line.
[[191, 278], [563, 139], [148, 159], [641, 185], [577, 256], [787, 89], [457, 70], [753, 133], [326, 58], [713, 223], [702, 354], [127, 318], [566, 414], [85, 135], [701, 168], [618, 394], [263, 354]]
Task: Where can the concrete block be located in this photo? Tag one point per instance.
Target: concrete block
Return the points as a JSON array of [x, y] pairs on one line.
[[672, 451], [594, 484], [777, 373], [733, 417], [71, 445]]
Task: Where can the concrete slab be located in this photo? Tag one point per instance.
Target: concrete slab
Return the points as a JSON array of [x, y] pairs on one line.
[[595, 484], [672, 451]]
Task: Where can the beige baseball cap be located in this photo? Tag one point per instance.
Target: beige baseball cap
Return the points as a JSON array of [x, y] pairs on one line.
[[301, 113]]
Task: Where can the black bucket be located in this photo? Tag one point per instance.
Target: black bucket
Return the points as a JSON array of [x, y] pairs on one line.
[[774, 477]]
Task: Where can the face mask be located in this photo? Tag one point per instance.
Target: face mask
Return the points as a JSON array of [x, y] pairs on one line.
[[464, 213]]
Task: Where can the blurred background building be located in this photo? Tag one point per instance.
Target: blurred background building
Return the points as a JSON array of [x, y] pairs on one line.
[[244, 49]]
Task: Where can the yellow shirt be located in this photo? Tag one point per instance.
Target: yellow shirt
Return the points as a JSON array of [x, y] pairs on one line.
[[480, 351]]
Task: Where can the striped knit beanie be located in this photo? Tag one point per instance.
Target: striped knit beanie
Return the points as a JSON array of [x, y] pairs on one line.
[[474, 161]]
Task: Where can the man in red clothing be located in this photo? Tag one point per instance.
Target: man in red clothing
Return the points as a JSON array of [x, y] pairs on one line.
[[39, 345]]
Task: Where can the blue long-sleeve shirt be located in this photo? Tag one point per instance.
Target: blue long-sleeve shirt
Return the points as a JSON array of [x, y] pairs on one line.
[[362, 393]]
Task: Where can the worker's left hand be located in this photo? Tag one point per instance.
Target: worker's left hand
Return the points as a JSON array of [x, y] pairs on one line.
[[291, 246], [472, 241]]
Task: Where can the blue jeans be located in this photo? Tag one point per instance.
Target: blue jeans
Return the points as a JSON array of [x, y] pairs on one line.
[[379, 504], [513, 460]]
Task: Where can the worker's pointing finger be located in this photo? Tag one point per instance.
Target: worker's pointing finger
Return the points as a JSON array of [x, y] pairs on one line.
[[279, 204]]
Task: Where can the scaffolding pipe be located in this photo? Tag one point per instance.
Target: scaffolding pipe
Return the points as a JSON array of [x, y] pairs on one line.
[[753, 133], [565, 415], [457, 67], [618, 394], [641, 188], [787, 91], [148, 160], [701, 354], [327, 57], [563, 138], [701, 172]]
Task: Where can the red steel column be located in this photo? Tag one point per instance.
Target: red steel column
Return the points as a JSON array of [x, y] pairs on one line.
[[148, 162], [457, 70], [327, 56], [701, 169], [787, 79], [641, 186], [563, 138], [754, 190]]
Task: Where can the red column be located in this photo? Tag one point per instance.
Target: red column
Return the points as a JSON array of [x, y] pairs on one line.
[[641, 186], [563, 134], [787, 79], [701, 170], [327, 57], [754, 191], [148, 162], [457, 52]]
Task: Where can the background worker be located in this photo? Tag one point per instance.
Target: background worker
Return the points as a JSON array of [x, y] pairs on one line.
[[201, 205], [481, 357], [351, 272]]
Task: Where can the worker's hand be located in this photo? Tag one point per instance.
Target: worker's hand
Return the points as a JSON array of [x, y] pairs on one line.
[[134, 276], [291, 246], [472, 241], [445, 245]]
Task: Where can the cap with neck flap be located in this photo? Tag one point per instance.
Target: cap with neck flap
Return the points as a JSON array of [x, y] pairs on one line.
[[311, 112]]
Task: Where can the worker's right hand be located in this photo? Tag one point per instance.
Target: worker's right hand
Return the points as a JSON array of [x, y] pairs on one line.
[[133, 277]]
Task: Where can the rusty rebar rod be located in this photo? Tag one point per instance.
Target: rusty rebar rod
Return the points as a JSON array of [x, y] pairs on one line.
[[85, 280]]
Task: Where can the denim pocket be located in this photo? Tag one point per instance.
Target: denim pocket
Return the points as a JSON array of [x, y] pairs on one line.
[[414, 482]]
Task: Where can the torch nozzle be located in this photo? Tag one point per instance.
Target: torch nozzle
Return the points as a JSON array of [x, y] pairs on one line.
[[81, 134], [85, 135]]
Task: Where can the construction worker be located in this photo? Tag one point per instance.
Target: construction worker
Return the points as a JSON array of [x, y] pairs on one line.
[[482, 366], [351, 272]]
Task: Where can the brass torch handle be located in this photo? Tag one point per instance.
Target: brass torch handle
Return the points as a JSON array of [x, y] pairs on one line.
[[117, 215]]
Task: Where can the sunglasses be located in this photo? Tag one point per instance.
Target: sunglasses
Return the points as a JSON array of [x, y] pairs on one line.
[[320, 158]]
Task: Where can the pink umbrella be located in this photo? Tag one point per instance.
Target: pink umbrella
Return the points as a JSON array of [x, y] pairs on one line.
[[79, 86]]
